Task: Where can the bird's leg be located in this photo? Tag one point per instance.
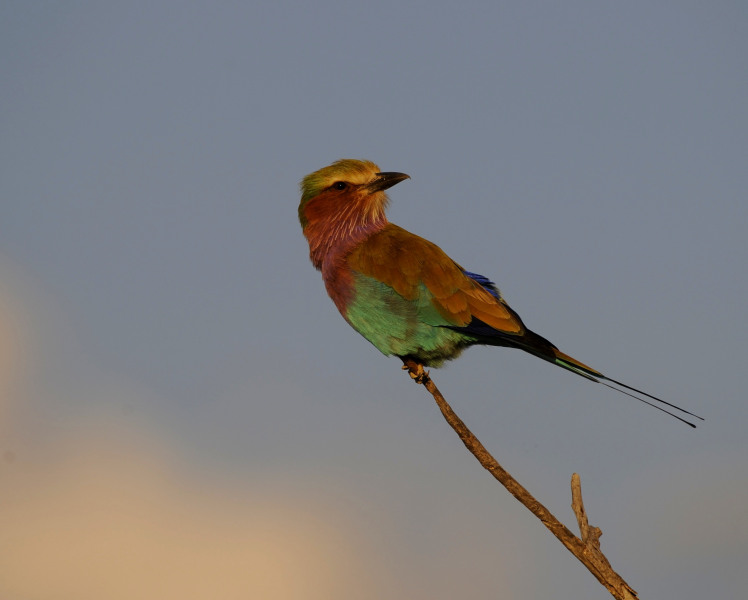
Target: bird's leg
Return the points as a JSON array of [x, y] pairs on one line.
[[415, 370]]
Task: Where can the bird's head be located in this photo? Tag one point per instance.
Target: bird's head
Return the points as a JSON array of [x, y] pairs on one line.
[[343, 199]]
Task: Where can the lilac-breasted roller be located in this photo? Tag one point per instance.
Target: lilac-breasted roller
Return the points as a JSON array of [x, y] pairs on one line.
[[402, 292]]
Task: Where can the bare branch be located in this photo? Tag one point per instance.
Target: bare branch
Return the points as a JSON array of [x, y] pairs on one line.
[[587, 549]]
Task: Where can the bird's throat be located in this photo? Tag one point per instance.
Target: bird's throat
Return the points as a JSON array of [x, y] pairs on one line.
[[331, 239]]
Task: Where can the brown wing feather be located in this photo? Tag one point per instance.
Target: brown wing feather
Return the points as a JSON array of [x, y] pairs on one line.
[[407, 263]]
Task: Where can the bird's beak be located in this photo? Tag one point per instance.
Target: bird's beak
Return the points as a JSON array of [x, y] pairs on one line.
[[385, 181]]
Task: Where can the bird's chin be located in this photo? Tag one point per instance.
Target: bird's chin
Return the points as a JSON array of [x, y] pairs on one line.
[[376, 206]]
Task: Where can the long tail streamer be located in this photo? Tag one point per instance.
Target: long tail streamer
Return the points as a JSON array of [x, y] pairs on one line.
[[567, 362]]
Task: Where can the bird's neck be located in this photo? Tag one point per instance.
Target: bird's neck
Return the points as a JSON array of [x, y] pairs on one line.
[[331, 239]]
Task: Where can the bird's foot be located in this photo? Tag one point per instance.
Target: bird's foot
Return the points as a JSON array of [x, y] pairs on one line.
[[416, 371]]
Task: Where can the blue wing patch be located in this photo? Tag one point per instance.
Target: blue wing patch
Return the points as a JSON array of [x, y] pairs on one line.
[[485, 282]]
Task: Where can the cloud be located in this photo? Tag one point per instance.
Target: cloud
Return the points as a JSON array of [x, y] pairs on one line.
[[98, 503], [105, 518]]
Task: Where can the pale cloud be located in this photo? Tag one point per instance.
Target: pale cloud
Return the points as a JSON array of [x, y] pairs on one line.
[[98, 504], [108, 519]]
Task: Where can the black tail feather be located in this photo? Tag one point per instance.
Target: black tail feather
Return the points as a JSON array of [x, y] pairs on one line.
[[538, 346], [652, 404], [633, 389]]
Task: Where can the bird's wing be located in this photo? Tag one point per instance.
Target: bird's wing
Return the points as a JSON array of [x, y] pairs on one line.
[[418, 270]]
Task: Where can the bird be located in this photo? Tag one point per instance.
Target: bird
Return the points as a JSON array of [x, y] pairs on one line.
[[403, 293]]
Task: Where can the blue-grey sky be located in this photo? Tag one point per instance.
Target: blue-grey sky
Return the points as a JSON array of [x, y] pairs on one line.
[[185, 415]]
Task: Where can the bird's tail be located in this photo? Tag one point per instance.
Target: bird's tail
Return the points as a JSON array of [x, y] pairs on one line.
[[571, 364], [537, 345]]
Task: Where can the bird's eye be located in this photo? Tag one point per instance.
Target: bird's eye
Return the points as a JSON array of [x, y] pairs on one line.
[[340, 185]]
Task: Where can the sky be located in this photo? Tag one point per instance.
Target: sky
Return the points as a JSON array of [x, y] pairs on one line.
[[183, 412]]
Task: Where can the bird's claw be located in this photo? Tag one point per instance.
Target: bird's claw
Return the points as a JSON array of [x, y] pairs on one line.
[[416, 372]]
